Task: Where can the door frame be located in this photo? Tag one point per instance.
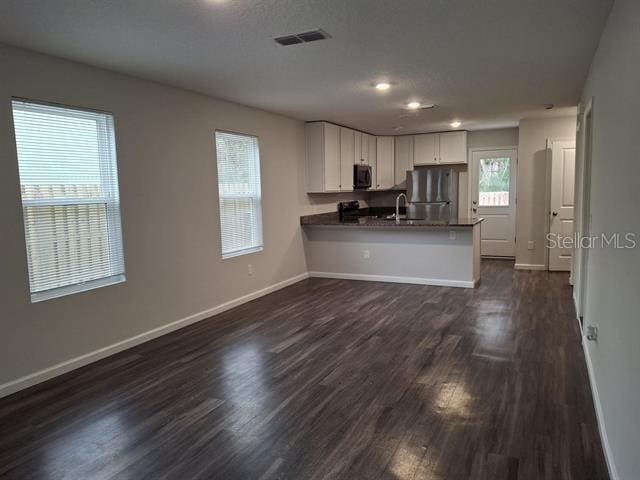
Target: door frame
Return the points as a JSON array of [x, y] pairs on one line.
[[585, 208], [471, 179], [470, 166], [547, 203]]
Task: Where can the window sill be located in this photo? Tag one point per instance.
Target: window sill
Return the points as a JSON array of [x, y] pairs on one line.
[[239, 253], [81, 287]]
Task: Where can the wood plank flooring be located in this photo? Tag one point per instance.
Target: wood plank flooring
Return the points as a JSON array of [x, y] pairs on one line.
[[331, 379]]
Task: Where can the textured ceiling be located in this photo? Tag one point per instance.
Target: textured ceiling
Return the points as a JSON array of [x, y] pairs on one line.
[[485, 62]]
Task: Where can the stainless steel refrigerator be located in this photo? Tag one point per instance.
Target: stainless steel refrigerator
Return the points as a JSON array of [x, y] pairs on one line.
[[432, 192]]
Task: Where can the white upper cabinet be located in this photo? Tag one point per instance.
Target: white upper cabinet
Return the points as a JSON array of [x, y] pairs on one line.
[[385, 162], [357, 147], [323, 157], [364, 151], [332, 151], [372, 158], [403, 160], [440, 148], [347, 158], [453, 147], [426, 148]]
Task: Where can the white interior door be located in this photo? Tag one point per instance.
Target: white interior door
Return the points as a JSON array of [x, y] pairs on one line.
[[563, 160], [493, 197]]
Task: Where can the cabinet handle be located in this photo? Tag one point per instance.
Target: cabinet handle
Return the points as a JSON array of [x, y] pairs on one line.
[[435, 159]]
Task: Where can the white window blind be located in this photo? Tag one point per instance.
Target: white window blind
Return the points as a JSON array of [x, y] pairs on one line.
[[239, 192], [69, 185]]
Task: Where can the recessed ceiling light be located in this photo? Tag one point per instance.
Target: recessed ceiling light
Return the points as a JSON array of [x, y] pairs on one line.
[[413, 105], [456, 124], [382, 86], [397, 128]]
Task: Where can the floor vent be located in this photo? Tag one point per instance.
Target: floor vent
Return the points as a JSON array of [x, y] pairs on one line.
[[304, 37]]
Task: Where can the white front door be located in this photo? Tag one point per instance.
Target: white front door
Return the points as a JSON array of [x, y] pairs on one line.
[[563, 159], [493, 197]]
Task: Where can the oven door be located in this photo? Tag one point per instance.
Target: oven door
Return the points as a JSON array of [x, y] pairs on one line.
[[361, 177]]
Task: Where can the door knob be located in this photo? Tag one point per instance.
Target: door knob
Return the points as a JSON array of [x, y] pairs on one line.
[[474, 210], [474, 202], [555, 214]]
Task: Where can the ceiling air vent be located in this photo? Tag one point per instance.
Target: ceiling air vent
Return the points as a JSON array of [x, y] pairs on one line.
[[304, 37], [288, 40]]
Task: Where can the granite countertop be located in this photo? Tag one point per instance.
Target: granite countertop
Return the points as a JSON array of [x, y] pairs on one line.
[[379, 219]]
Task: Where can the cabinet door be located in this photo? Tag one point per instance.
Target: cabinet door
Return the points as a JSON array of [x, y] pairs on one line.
[[384, 162], [331, 158], [347, 159], [372, 151], [357, 147], [403, 160], [453, 147], [364, 155], [425, 149]]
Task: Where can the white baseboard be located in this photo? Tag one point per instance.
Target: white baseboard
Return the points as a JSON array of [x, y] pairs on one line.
[[396, 279], [613, 473], [575, 306], [529, 266], [77, 362]]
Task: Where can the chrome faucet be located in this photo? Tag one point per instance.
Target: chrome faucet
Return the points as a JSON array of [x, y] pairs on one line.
[[402, 195]]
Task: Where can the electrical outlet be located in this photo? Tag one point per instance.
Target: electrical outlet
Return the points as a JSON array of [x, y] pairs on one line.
[[250, 270], [531, 245], [452, 235], [592, 333], [366, 254]]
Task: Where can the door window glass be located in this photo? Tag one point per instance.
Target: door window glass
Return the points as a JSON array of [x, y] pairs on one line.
[[493, 184]]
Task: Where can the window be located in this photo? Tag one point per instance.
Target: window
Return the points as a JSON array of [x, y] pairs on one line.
[[494, 182], [239, 193], [69, 185]]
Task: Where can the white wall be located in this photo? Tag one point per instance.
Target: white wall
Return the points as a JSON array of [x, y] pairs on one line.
[[612, 299], [499, 137], [531, 211], [168, 187]]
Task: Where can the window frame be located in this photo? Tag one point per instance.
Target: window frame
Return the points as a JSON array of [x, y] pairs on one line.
[[110, 198], [260, 234]]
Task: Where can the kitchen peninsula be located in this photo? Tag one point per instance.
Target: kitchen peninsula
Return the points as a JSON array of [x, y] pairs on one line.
[[375, 247]]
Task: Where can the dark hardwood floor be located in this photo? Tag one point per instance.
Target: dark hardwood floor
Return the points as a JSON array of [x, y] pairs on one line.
[[331, 379]]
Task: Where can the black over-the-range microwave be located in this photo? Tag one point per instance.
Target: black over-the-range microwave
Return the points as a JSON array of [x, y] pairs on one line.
[[361, 177]]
